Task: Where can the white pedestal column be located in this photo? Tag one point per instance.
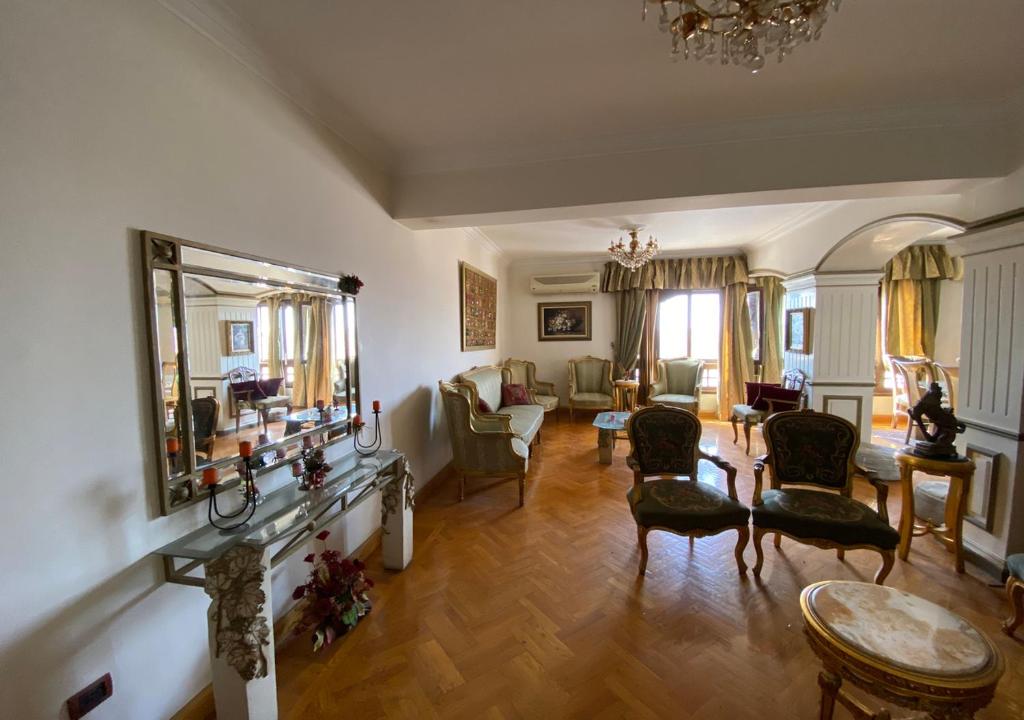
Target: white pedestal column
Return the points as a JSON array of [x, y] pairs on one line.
[[242, 635], [397, 502]]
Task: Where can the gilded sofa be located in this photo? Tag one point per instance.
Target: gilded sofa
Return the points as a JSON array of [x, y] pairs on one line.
[[678, 384], [590, 384], [524, 372], [487, 381]]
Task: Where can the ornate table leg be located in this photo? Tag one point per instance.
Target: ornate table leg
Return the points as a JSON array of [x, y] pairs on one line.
[[829, 684], [605, 445], [907, 513], [397, 502], [956, 506], [242, 635]]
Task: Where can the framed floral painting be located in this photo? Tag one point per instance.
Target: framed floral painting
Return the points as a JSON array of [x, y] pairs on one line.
[[563, 321]]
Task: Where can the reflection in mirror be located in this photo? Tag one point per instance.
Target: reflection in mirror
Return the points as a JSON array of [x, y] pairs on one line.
[[265, 363], [167, 357]]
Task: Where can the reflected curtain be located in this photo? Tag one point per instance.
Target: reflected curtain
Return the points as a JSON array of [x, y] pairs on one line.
[[631, 310], [772, 293], [735, 364], [298, 366], [318, 384], [275, 338], [649, 342], [910, 298]]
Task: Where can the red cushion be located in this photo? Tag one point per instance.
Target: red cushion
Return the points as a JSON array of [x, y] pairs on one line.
[[514, 395], [786, 399], [754, 391], [482, 406], [246, 390], [270, 386]]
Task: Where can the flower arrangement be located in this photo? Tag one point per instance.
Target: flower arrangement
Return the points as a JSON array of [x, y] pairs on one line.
[[350, 284], [314, 467], [336, 595]]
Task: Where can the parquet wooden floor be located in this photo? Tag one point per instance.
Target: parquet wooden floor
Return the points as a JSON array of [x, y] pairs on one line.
[[539, 613]]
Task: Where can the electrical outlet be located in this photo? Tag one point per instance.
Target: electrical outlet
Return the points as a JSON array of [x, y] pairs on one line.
[[87, 699]]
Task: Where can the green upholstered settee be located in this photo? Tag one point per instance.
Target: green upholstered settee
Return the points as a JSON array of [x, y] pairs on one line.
[[678, 384], [524, 372], [590, 384], [488, 381]]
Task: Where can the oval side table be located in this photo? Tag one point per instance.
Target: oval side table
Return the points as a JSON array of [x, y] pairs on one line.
[[899, 648]]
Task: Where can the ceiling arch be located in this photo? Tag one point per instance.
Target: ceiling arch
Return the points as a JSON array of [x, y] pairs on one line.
[[873, 244]]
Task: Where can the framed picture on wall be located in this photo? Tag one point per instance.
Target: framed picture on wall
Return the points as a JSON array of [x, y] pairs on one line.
[[478, 296], [241, 337], [798, 331], [981, 502], [564, 320]]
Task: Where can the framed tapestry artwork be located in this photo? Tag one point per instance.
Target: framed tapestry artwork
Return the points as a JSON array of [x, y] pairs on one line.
[[563, 321], [798, 331], [241, 337], [478, 294], [981, 501]]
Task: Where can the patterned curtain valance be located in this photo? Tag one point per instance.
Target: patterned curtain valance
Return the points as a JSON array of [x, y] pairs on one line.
[[924, 262], [692, 273]]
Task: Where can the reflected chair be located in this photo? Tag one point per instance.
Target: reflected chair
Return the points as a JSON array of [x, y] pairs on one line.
[[1015, 593], [908, 374], [590, 385], [768, 402], [524, 372], [205, 413], [247, 394], [807, 448], [949, 376], [665, 444], [483, 445], [678, 384]]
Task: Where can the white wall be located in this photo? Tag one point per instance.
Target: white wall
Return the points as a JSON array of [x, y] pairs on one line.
[[947, 332], [117, 116]]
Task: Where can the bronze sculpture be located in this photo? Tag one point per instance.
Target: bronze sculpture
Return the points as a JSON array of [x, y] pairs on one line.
[[937, 444]]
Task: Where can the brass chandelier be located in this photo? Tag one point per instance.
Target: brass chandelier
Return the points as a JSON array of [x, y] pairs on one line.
[[634, 255], [741, 32]]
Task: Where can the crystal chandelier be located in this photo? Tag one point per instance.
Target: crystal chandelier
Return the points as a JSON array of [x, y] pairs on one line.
[[633, 256], [741, 32]]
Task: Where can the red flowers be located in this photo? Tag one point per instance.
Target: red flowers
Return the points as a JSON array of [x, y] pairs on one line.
[[323, 534]]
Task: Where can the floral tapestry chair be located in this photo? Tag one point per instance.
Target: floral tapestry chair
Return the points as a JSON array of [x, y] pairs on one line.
[[811, 449], [483, 445], [666, 445], [678, 383], [590, 384], [524, 372]]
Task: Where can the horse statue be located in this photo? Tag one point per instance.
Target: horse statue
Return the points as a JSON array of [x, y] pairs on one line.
[[939, 442]]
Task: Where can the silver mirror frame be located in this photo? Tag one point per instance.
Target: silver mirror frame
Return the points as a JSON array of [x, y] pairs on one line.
[[165, 253]]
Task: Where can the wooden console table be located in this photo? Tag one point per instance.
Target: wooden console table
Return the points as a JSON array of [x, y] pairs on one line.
[[237, 568], [960, 473]]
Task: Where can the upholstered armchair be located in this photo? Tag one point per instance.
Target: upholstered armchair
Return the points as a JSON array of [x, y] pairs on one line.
[[665, 444], [524, 372], [678, 384], [810, 449], [205, 414], [767, 402], [483, 445], [590, 384]]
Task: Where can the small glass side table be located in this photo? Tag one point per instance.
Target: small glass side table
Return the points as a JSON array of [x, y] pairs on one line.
[[608, 425], [625, 395]]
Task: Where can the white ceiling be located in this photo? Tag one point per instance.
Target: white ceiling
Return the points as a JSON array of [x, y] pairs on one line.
[[720, 229], [425, 86]]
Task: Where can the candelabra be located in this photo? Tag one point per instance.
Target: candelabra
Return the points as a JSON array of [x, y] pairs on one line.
[[357, 426], [250, 493]]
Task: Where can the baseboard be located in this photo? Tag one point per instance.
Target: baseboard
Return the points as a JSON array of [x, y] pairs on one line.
[[201, 707], [431, 486]]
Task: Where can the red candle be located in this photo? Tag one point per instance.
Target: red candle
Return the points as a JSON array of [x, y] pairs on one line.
[[245, 449], [376, 405], [280, 453], [210, 476], [307, 442], [357, 421], [297, 469], [319, 404], [172, 445]]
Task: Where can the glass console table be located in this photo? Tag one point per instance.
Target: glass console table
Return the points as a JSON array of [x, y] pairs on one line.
[[237, 566]]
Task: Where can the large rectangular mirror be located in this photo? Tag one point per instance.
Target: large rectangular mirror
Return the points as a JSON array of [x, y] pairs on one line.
[[243, 349]]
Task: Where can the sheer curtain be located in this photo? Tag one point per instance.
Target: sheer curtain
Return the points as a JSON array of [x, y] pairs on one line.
[[772, 293]]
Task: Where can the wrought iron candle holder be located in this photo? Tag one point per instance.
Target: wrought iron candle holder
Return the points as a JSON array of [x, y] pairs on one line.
[[357, 426], [250, 495]]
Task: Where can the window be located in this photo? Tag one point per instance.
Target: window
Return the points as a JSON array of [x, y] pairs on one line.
[[690, 325], [755, 308]]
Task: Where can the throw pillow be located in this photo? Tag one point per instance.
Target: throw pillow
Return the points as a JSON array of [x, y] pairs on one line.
[[783, 398], [270, 387], [512, 394], [754, 391], [482, 406], [246, 390]]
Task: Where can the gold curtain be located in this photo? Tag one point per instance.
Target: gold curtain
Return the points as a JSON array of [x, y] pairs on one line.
[[910, 298], [735, 365], [298, 366], [693, 273], [631, 309], [313, 357], [772, 293], [649, 342], [275, 351]]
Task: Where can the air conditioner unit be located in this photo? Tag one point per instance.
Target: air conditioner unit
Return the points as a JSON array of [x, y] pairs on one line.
[[565, 284]]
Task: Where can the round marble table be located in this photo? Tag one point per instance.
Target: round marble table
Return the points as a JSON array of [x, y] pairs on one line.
[[898, 647]]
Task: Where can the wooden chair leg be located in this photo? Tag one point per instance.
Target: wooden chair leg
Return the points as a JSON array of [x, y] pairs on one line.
[[741, 545], [758, 534], [572, 414], [841, 554], [829, 685], [735, 430], [641, 536], [746, 434], [1015, 596], [888, 558], [462, 488], [522, 490], [777, 541]]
